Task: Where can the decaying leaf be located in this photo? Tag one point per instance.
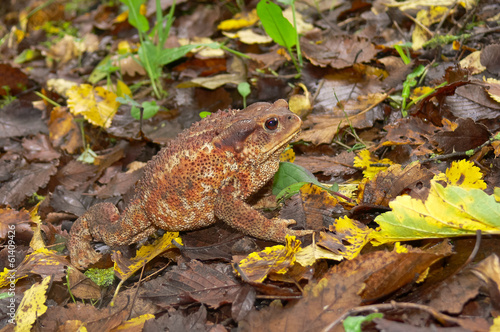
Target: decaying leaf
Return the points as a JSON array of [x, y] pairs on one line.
[[277, 259], [211, 284], [124, 268], [337, 51], [352, 232], [32, 306], [371, 165]]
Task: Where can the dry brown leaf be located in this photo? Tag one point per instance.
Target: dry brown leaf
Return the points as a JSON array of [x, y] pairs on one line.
[[337, 51]]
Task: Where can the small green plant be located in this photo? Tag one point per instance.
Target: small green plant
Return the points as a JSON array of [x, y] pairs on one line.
[[149, 108], [410, 82], [102, 277], [353, 323], [279, 29], [103, 70], [152, 54], [244, 90], [7, 99], [404, 53]]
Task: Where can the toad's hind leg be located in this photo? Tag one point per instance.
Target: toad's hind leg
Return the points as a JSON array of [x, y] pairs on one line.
[[102, 222]]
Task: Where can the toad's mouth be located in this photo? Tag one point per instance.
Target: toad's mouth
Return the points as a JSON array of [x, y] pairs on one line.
[[284, 142]]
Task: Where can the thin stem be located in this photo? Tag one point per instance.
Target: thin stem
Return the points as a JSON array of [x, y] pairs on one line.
[[299, 53]]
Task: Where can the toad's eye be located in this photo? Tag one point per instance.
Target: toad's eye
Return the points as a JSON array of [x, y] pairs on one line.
[[272, 123]]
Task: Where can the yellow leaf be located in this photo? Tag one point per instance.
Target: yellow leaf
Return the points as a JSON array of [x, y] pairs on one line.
[[204, 52], [248, 36], [496, 325], [301, 104], [240, 20], [355, 233], [276, 259], [125, 268], [464, 174], [419, 91], [121, 18], [97, 105], [310, 254], [494, 88], [124, 47], [122, 89], [134, 324], [400, 249], [41, 262], [287, 155], [472, 62], [8, 277], [426, 18], [302, 26], [447, 212], [365, 160], [60, 85], [32, 306]]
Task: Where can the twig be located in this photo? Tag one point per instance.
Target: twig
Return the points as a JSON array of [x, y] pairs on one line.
[[136, 292], [419, 24], [445, 16], [458, 154], [474, 252], [391, 306]]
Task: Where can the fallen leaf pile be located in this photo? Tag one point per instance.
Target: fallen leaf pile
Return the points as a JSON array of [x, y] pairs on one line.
[[396, 169]]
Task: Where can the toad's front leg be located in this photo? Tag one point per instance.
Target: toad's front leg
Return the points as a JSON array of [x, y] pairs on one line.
[[241, 216]]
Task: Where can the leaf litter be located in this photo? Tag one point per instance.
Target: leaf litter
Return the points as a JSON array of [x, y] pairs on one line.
[[407, 170]]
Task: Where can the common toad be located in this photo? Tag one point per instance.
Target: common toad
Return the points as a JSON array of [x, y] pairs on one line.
[[205, 174]]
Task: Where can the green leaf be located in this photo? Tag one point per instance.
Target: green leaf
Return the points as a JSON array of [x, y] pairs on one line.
[[135, 18], [244, 89], [88, 156], [204, 114], [402, 54], [447, 212], [150, 108], [127, 101], [149, 56], [290, 177], [353, 323], [170, 55], [276, 25]]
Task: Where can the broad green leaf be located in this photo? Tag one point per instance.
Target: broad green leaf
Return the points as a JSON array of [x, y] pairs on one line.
[[276, 25], [170, 55], [290, 174], [447, 212], [173, 54]]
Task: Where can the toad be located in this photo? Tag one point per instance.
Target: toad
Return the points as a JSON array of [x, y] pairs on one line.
[[206, 173]]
